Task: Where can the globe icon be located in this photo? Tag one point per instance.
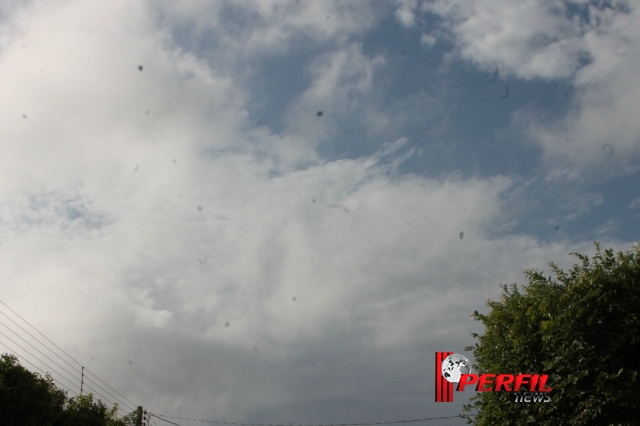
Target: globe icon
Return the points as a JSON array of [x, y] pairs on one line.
[[455, 366]]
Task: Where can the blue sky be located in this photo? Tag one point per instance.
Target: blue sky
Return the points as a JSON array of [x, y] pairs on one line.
[[291, 206]]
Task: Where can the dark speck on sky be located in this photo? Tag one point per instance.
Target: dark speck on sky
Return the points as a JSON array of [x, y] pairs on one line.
[[136, 168], [226, 324], [199, 207], [139, 67], [294, 298], [493, 78], [319, 113], [461, 235], [24, 115], [175, 161], [338, 206], [313, 201], [557, 228], [130, 362], [506, 93]]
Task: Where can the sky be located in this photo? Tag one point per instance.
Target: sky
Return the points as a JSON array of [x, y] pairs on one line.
[[277, 211]]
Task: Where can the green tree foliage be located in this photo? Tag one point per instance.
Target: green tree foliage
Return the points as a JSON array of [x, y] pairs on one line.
[[27, 399], [84, 411], [581, 327]]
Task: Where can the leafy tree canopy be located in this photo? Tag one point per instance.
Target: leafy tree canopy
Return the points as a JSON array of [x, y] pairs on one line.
[[28, 399], [582, 327]]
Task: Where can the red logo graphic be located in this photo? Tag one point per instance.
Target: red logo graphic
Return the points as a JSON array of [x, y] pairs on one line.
[[444, 388], [454, 368]]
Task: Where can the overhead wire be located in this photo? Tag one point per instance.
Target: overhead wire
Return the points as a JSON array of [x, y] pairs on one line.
[[43, 354], [23, 358], [160, 416], [124, 404], [43, 363], [40, 333], [52, 369], [57, 372], [166, 421], [34, 338], [131, 403], [61, 350], [101, 381], [99, 394], [43, 373]]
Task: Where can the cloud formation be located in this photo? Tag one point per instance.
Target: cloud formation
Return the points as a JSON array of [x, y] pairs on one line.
[[148, 225], [592, 45]]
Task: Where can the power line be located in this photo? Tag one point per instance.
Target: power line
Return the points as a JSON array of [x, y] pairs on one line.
[[34, 348], [98, 393], [37, 340], [35, 366], [160, 416], [40, 333], [165, 420], [101, 381], [39, 369], [73, 359], [37, 359], [124, 404]]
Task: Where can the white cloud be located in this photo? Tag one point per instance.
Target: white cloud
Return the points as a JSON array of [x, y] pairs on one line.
[[428, 39], [141, 213], [274, 24], [341, 81], [595, 49], [404, 13], [529, 39]]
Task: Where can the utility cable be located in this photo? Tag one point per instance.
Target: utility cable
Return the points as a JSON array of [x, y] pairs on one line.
[[87, 385], [101, 381], [40, 333], [36, 367], [72, 375], [34, 338], [160, 416], [165, 420], [73, 359], [95, 392], [41, 361], [124, 404]]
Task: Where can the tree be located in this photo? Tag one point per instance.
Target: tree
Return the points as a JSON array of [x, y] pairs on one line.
[[582, 328], [84, 411], [28, 399]]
